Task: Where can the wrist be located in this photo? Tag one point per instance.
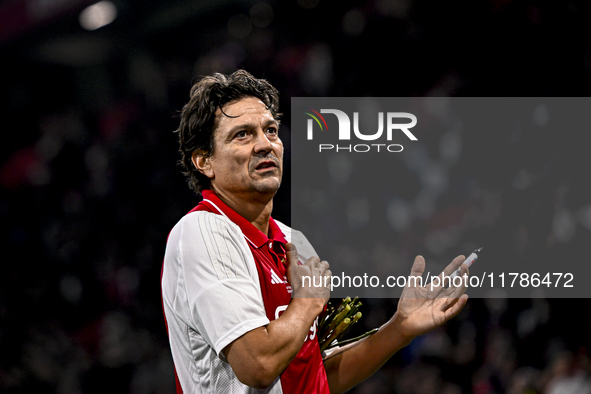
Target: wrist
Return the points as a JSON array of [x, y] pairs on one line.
[[310, 307], [397, 323]]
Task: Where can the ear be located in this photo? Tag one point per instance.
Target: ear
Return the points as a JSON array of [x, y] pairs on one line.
[[202, 163]]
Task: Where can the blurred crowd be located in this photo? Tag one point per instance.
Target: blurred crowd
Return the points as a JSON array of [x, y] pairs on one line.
[[493, 346], [90, 186]]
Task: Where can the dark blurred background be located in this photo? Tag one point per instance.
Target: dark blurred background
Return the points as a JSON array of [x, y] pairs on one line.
[[90, 186]]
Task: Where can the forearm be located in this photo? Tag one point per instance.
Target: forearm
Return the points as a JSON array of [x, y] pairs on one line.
[[259, 356], [285, 335], [354, 363]]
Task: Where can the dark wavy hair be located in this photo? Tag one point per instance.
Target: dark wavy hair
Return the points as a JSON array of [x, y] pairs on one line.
[[197, 123]]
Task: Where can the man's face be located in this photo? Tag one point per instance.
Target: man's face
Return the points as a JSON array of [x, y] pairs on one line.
[[248, 154]]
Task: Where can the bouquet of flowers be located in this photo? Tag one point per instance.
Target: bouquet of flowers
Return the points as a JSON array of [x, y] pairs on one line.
[[334, 321]]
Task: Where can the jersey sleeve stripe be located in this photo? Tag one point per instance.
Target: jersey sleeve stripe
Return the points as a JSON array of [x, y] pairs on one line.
[[231, 263], [211, 240], [222, 251]]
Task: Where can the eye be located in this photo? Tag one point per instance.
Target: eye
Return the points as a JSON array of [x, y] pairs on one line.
[[240, 134], [272, 130]]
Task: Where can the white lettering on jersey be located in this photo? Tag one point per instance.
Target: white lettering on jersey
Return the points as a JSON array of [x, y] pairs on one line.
[[279, 311], [313, 329]]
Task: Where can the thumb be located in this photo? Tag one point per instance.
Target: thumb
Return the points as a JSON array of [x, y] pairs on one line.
[[292, 259]]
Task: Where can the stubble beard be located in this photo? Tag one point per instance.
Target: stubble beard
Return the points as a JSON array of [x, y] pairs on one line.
[[269, 184]]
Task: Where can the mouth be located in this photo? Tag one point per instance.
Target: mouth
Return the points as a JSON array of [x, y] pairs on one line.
[[266, 165]]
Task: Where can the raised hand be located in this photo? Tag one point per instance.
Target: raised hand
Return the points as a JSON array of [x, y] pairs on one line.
[[422, 308]]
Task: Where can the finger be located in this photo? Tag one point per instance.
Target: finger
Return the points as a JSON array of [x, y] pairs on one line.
[[328, 274], [451, 267], [292, 258], [454, 265], [458, 291], [323, 265], [464, 270], [452, 294], [313, 261], [458, 285], [448, 303], [322, 270], [418, 267], [292, 253], [456, 307]]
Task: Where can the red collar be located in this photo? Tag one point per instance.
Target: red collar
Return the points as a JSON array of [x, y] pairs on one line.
[[212, 203]]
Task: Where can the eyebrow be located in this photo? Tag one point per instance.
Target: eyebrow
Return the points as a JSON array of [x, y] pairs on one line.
[[270, 122]]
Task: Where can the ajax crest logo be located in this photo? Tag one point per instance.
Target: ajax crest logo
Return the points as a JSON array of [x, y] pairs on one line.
[[392, 122]]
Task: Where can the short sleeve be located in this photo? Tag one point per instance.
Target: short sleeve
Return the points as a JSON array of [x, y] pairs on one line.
[[220, 280]]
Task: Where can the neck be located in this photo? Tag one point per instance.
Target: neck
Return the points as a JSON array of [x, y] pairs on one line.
[[256, 210]]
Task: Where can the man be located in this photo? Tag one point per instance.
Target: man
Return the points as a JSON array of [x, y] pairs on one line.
[[233, 323]]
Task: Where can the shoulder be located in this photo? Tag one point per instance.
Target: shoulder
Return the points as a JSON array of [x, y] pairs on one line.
[[204, 237], [304, 247], [203, 222], [208, 248]]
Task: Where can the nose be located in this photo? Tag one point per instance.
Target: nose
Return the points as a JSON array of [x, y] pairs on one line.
[[262, 143]]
